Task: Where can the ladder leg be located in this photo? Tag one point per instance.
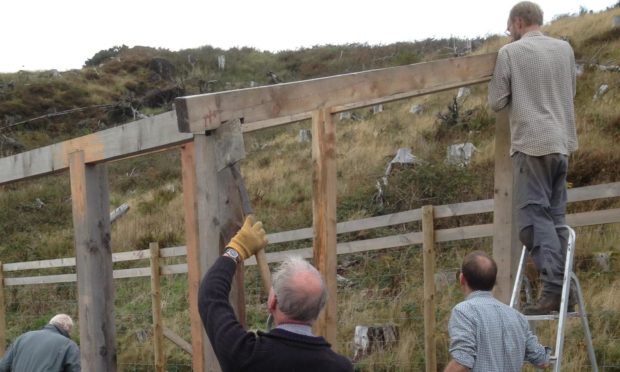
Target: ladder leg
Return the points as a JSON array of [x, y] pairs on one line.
[[584, 323], [568, 269], [514, 298]]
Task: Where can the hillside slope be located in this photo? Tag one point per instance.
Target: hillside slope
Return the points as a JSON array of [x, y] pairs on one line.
[[277, 170]]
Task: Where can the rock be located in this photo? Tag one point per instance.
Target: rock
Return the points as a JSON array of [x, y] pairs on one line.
[[221, 62], [345, 115], [600, 92], [603, 261], [463, 93], [460, 154], [579, 69], [369, 339], [417, 109], [615, 22], [377, 109], [305, 135]]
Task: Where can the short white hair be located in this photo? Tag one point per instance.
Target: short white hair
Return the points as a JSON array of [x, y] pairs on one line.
[[63, 321]]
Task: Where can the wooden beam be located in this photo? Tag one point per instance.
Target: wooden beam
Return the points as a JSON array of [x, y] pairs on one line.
[[428, 258], [139, 137], [178, 340], [95, 284], [2, 314], [506, 246], [295, 100], [201, 348], [158, 324], [324, 215]]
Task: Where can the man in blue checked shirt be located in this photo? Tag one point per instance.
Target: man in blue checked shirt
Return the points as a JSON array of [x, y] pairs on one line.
[[486, 334]]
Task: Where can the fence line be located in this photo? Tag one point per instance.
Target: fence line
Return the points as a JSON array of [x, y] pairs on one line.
[[393, 241]]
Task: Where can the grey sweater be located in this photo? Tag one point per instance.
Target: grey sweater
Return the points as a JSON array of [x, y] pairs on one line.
[[47, 350]]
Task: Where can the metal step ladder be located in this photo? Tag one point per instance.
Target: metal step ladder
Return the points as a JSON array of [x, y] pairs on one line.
[[569, 277]]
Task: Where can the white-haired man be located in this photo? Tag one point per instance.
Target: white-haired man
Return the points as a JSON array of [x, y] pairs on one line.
[[295, 300], [49, 349]]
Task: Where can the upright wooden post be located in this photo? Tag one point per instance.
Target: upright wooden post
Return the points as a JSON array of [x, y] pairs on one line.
[[2, 313], [324, 214], [93, 257], [212, 213], [506, 245], [428, 247], [158, 326]]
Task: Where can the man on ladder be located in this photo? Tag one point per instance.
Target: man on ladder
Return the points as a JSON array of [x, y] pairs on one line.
[[535, 77]]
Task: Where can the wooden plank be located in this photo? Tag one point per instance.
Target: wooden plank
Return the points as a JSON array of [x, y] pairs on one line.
[[606, 190], [178, 340], [70, 261], [201, 112], [200, 345], [506, 246], [324, 215], [158, 324], [71, 278], [139, 137], [91, 223], [428, 259], [594, 218], [2, 314]]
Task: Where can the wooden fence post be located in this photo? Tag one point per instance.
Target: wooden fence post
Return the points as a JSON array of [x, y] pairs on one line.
[[93, 258], [2, 313], [212, 213], [506, 247], [324, 215], [428, 247], [158, 326]]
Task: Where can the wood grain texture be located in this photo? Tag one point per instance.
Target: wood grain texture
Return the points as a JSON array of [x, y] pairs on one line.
[[506, 246], [324, 215], [91, 223], [295, 101], [428, 259], [143, 136], [158, 323]]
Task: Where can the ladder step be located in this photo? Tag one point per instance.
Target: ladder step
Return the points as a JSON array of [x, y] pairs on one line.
[[552, 316]]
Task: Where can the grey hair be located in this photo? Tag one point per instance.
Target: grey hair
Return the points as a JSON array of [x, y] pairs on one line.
[[530, 12], [295, 303], [63, 321]]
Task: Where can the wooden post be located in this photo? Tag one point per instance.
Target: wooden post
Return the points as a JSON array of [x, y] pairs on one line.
[[212, 213], [324, 215], [428, 247], [2, 313], [506, 246], [158, 326], [93, 256]]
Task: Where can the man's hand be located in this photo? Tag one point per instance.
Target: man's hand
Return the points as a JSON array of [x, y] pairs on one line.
[[455, 366], [250, 239]]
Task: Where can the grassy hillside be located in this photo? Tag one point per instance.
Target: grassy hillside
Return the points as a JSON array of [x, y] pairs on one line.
[[385, 286]]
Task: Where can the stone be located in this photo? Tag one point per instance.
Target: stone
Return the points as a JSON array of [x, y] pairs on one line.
[[369, 339], [600, 92], [463, 93], [460, 154], [377, 109], [417, 109], [603, 261], [345, 115], [305, 135]]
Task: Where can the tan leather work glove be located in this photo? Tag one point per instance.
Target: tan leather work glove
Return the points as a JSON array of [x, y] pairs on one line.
[[250, 239]]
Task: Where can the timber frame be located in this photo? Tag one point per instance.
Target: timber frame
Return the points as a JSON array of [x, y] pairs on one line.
[[206, 189]]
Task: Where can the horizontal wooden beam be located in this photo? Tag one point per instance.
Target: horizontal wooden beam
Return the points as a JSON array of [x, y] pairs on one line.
[[138, 137], [294, 101], [70, 261]]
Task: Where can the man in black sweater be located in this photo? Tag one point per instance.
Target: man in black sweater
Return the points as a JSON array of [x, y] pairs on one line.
[[295, 300]]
